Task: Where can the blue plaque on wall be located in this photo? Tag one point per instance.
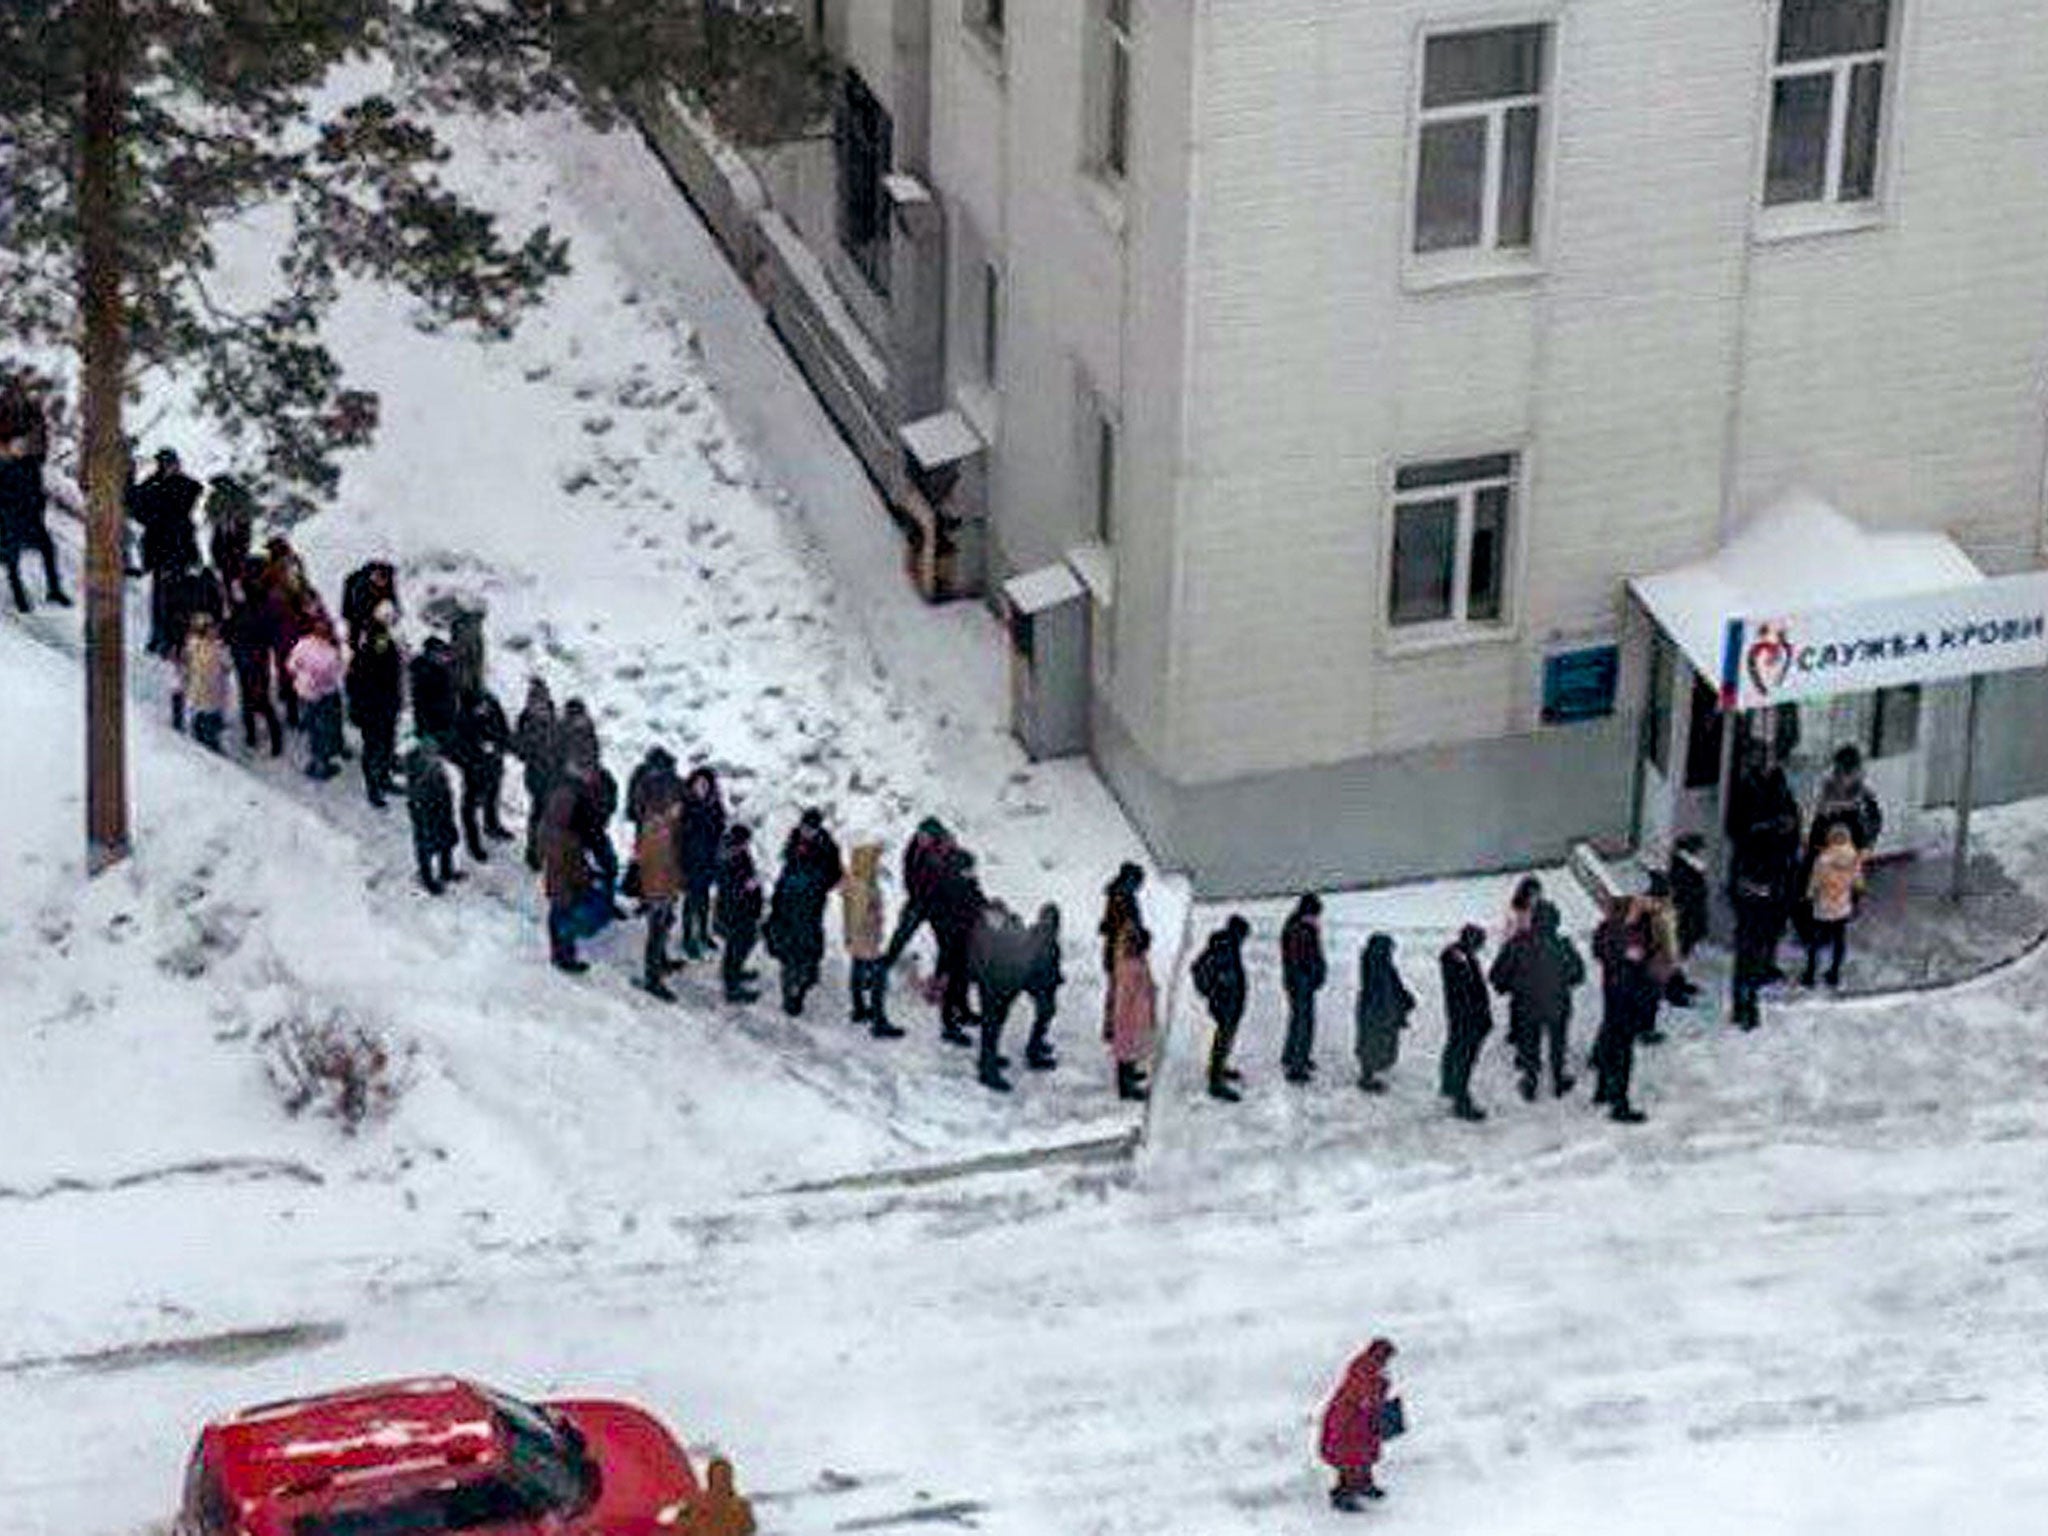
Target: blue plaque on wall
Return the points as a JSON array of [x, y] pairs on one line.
[[1580, 684]]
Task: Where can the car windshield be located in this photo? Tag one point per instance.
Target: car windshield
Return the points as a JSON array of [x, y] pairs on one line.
[[543, 1455]]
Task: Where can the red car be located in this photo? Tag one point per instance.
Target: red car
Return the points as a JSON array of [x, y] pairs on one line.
[[410, 1458]]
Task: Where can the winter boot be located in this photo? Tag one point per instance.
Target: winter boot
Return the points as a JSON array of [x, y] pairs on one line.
[[953, 1034], [1040, 1058], [1626, 1114], [1128, 1083], [1220, 1089], [882, 1029], [655, 987], [1465, 1109], [991, 1077], [1371, 1084], [1563, 1085]]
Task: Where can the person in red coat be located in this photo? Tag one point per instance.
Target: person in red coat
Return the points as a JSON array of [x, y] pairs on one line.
[[1351, 1426]]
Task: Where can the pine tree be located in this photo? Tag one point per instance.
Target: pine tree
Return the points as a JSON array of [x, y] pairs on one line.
[[131, 130]]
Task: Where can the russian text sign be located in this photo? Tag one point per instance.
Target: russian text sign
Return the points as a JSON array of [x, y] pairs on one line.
[[2000, 625]]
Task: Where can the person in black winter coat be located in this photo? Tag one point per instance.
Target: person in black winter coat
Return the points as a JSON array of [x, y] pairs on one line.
[[701, 836], [231, 527], [795, 933], [366, 589], [1624, 947], [1537, 972], [1218, 975], [1381, 1013], [956, 905], [537, 743], [375, 682], [478, 751], [252, 645], [431, 805], [924, 865], [162, 506], [999, 958], [738, 913], [1468, 1018], [1755, 891], [432, 682], [24, 527], [1303, 970], [1042, 980]]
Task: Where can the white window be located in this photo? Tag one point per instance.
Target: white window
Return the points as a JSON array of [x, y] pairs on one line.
[[1450, 546], [1827, 101], [1109, 88], [1480, 126]]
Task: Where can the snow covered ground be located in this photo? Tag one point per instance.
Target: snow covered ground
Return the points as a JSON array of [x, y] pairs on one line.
[[1810, 1296]]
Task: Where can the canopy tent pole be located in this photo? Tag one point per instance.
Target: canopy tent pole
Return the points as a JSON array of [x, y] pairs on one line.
[[1966, 792]]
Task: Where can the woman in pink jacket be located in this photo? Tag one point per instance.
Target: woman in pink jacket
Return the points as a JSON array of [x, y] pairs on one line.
[[1133, 1012], [1352, 1426], [315, 667]]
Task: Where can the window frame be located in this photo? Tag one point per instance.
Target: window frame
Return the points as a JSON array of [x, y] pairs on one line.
[[1829, 211], [1458, 627], [1487, 259]]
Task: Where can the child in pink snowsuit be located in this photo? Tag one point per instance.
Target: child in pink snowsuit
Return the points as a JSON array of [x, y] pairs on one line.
[[1351, 1426]]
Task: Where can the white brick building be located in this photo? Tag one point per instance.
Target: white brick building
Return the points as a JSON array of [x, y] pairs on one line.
[[1356, 353]]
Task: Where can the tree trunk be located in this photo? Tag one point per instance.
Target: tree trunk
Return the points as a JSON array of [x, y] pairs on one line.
[[105, 358]]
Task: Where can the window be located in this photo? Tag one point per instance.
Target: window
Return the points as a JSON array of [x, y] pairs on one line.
[[991, 321], [986, 17], [1827, 97], [1703, 735], [1109, 88], [1657, 713], [863, 137], [1105, 475], [1451, 523], [1895, 721], [1475, 161]]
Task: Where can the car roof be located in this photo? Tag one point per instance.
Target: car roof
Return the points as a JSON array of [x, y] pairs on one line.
[[345, 1439]]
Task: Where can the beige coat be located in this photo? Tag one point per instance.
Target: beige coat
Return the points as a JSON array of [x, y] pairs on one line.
[[1837, 876], [860, 902], [658, 850], [207, 669]]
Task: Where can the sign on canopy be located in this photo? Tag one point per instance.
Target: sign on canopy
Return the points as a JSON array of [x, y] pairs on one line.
[[1998, 625]]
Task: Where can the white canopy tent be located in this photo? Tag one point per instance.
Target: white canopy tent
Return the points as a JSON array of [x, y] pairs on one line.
[[1802, 556], [1800, 553]]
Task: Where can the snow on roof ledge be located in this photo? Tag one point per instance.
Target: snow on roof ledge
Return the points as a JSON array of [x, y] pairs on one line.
[[1797, 555]]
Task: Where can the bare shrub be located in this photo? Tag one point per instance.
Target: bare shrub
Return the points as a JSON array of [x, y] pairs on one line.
[[337, 1065]]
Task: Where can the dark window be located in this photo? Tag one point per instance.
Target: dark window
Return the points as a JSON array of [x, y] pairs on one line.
[[1895, 721], [991, 321], [1105, 477], [864, 139], [1425, 561], [1475, 170], [1461, 67], [1826, 29], [1451, 527], [1827, 101], [1703, 740], [1657, 712]]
